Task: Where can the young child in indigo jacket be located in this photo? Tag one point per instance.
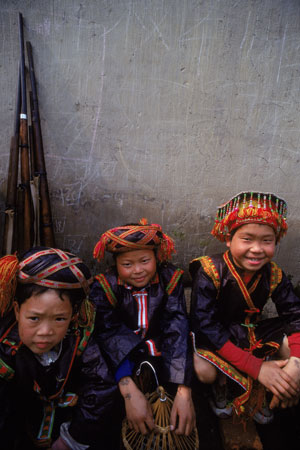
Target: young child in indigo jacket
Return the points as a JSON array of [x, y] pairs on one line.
[[229, 293], [141, 316], [55, 389]]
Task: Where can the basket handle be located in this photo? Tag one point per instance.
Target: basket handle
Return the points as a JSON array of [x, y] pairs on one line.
[[149, 364]]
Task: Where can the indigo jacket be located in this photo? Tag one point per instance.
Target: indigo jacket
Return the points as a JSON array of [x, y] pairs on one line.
[[218, 315], [166, 336], [77, 387]]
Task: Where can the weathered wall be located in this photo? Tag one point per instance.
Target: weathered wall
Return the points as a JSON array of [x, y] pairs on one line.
[[160, 109]]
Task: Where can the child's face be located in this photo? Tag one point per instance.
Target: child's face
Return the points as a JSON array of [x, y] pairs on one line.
[[252, 246], [43, 320], [136, 267]]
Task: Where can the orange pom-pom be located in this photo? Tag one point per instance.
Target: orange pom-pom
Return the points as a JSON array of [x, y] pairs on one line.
[[8, 282], [143, 221], [166, 248]]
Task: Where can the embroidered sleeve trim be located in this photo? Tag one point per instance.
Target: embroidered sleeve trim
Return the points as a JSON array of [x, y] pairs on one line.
[[276, 277], [107, 289], [87, 331], [174, 281], [210, 270]]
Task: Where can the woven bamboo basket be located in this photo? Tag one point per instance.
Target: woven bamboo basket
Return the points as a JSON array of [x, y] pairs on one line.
[[163, 438]]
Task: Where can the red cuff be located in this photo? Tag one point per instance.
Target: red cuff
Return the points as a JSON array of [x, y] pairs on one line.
[[241, 359], [294, 344]]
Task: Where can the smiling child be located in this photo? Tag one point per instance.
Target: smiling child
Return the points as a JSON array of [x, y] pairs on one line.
[[141, 316], [232, 343]]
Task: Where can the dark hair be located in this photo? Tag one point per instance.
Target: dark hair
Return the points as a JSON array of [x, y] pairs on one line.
[[38, 264], [115, 255], [25, 291]]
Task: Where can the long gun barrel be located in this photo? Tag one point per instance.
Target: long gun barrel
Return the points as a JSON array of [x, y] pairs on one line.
[[12, 181], [25, 170], [47, 233]]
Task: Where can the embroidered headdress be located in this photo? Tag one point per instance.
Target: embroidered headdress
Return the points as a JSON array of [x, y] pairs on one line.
[[48, 267], [135, 237], [251, 207]]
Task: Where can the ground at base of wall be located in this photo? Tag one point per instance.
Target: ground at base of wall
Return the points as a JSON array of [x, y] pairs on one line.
[[227, 434], [236, 436]]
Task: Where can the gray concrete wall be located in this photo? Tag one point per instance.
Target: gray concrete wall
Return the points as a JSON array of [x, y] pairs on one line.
[[160, 109]]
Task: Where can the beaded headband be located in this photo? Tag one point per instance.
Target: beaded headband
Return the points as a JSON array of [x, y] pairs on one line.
[[13, 271], [251, 207], [135, 237]]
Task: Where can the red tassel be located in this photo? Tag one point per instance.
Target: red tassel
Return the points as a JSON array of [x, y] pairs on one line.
[[166, 248], [143, 221], [100, 247]]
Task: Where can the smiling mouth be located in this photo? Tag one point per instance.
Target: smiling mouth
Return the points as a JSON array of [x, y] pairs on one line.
[[255, 260]]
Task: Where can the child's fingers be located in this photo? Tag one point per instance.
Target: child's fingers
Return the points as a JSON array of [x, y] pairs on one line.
[[274, 403], [173, 418], [181, 426], [188, 428], [190, 425], [142, 428], [150, 423], [293, 384], [283, 386]]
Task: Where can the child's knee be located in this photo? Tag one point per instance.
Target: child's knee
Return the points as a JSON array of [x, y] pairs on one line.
[[205, 371]]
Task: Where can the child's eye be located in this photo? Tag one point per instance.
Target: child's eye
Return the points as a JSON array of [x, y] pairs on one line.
[[146, 261], [60, 319], [126, 265], [33, 318]]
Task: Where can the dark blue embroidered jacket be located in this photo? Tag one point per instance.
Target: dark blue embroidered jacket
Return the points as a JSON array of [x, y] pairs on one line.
[[166, 323], [217, 315], [32, 386]]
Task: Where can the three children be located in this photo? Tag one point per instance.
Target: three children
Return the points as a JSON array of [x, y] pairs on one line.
[[50, 358], [228, 295]]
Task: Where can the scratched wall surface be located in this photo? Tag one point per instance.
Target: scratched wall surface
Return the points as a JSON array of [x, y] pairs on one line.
[[160, 109]]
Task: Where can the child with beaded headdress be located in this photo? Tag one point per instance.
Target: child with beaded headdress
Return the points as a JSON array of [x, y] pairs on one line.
[[141, 316], [55, 388], [232, 342]]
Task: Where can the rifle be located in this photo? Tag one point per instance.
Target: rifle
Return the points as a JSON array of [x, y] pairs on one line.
[[20, 218], [25, 172], [34, 179], [47, 233], [12, 181]]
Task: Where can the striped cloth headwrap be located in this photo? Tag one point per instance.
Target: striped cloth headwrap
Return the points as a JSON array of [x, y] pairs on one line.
[[44, 266], [135, 237]]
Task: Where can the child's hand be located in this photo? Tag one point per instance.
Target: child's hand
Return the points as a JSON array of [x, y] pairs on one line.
[[278, 381], [293, 369], [138, 409], [183, 408]]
